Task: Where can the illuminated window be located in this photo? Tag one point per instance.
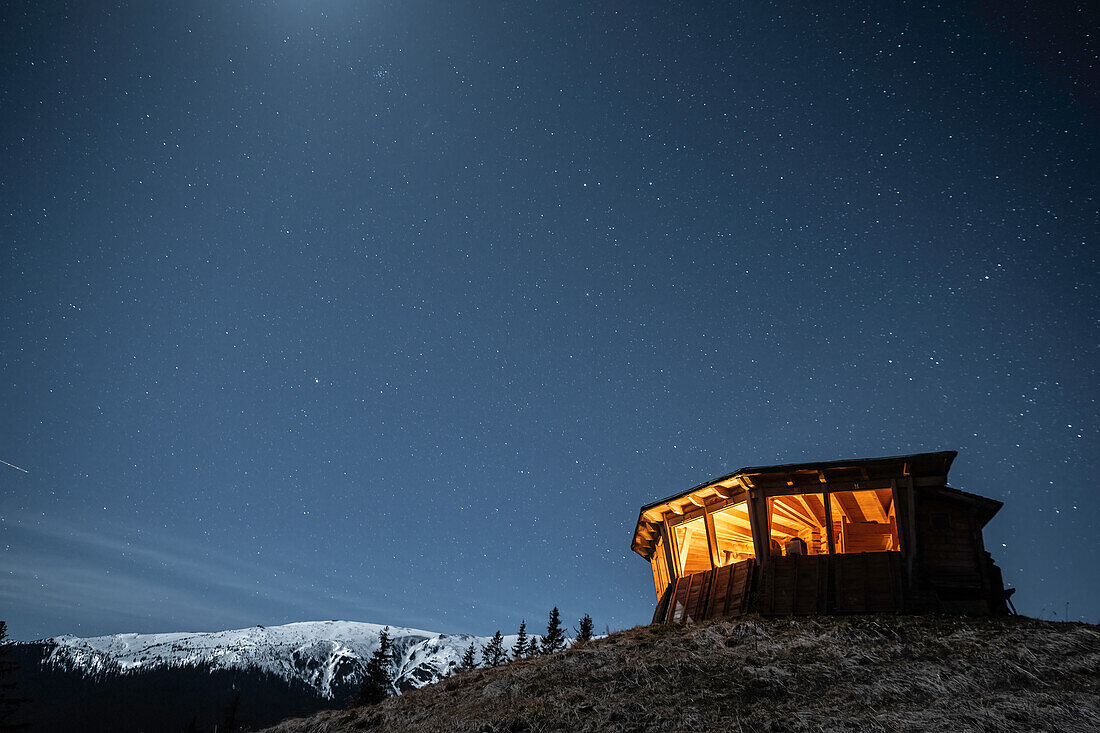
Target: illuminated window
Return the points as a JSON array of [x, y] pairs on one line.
[[692, 551], [660, 570], [734, 536], [864, 521], [797, 525]]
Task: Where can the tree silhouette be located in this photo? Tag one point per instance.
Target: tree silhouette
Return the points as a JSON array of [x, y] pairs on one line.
[[493, 654], [468, 661], [377, 679], [554, 640], [519, 650], [9, 701], [584, 633]]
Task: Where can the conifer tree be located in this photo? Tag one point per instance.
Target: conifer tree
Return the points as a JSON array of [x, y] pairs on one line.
[[554, 640], [519, 650], [9, 701], [584, 633], [377, 679], [468, 660], [493, 654], [533, 646]]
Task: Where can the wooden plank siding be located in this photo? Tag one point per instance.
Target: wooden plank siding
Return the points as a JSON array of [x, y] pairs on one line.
[[793, 585], [796, 584], [868, 581], [950, 543], [729, 589], [710, 594]]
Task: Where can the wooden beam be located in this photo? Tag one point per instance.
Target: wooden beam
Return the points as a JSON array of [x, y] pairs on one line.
[[725, 519], [810, 511], [782, 524], [847, 503], [712, 541], [696, 502], [792, 511], [828, 501], [871, 507]]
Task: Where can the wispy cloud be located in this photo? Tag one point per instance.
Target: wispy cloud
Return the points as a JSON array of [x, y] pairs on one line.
[[114, 581]]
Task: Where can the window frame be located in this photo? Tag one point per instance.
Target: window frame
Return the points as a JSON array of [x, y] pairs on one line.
[[705, 513], [827, 490]]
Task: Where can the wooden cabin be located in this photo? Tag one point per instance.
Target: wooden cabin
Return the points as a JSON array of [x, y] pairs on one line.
[[863, 535]]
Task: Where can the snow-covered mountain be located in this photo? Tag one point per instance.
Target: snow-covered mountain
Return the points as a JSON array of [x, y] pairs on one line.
[[328, 656]]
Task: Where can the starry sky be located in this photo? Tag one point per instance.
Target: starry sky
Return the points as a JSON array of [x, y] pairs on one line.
[[398, 311]]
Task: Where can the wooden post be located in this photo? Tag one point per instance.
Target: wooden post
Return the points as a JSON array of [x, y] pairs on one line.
[[673, 568], [911, 528], [712, 540], [758, 523]]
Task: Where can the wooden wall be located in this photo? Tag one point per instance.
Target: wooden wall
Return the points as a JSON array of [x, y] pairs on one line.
[[950, 542], [955, 573], [862, 582], [723, 591]]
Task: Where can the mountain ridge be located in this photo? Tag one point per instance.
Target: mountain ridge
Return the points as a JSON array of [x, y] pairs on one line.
[[328, 656]]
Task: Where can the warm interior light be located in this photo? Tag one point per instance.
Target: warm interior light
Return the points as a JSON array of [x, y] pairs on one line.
[[797, 525], [864, 521], [733, 534], [660, 569], [692, 551]]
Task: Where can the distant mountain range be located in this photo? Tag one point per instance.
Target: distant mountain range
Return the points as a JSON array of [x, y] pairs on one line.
[[256, 676]]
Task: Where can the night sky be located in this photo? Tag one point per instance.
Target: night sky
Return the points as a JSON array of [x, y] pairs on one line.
[[399, 311]]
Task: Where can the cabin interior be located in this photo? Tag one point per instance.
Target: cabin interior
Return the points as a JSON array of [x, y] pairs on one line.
[[875, 508], [856, 521]]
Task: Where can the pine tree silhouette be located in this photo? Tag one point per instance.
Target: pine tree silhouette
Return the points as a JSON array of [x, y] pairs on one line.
[[519, 650], [468, 660], [584, 633], [533, 646], [493, 654], [9, 701], [554, 640], [378, 680]]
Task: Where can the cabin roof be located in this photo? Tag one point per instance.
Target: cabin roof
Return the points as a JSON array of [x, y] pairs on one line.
[[810, 476]]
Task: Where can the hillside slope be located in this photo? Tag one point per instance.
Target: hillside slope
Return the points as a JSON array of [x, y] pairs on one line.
[[891, 673]]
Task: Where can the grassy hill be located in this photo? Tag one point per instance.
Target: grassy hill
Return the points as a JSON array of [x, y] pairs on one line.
[[857, 673]]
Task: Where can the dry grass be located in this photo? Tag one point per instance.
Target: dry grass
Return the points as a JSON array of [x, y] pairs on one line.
[[856, 673]]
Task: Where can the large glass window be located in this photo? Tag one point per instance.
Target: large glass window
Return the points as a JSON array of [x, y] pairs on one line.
[[797, 525], [733, 534], [660, 570], [692, 551], [864, 521]]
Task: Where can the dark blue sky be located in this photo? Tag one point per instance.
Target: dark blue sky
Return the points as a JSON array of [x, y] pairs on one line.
[[398, 311]]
